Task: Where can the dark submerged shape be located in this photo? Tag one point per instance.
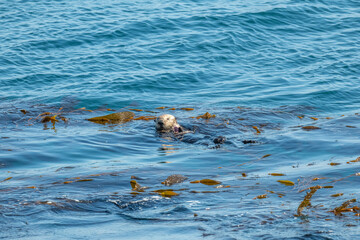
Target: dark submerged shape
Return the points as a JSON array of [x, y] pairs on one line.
[[219, 140]]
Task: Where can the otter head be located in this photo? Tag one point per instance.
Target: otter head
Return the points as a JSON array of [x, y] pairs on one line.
[[167, 123]]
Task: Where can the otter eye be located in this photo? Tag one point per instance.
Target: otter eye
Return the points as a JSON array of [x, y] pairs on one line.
[[168, 118]]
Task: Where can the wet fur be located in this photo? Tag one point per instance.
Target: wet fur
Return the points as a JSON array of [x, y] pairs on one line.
[[167, 123]]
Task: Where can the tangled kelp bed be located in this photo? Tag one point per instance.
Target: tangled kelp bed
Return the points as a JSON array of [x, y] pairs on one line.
[[290, 169]]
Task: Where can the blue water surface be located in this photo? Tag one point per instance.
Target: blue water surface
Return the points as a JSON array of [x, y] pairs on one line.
[[274, 65]]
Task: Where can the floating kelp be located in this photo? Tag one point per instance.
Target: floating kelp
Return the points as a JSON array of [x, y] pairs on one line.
[[195, 181], [172, 109], [145, 118], [286, 182], [309, 128], [261, 196], [276, 174], [207, 182], [84, 109], [337, 195], [98, 174], [51, 119], [136, 110], [314, 118], [265, 156], [45, 113], [187, 109], [85, 180], [162, 190], [317, 178], [173, 179], [280, 195], [206, 116], [168, 194], [317, 187], [161, 107], [135, 193], [334, 164], [119, 117], [345, 208], [247, 187], [306, 202], [353, 161], [137, 178], [6, 179], [64, 119], [136, 187], [23, 111], [348, 126], [257, 129]]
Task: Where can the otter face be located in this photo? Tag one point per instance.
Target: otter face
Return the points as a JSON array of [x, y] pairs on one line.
[[166, 123]]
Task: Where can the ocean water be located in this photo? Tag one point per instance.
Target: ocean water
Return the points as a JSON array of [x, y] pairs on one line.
[[266, 69]]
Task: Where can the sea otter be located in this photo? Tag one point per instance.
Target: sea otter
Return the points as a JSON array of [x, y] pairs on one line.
[[167, 123]]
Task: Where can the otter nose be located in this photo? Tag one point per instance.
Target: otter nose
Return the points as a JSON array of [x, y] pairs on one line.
[[161, 123]]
